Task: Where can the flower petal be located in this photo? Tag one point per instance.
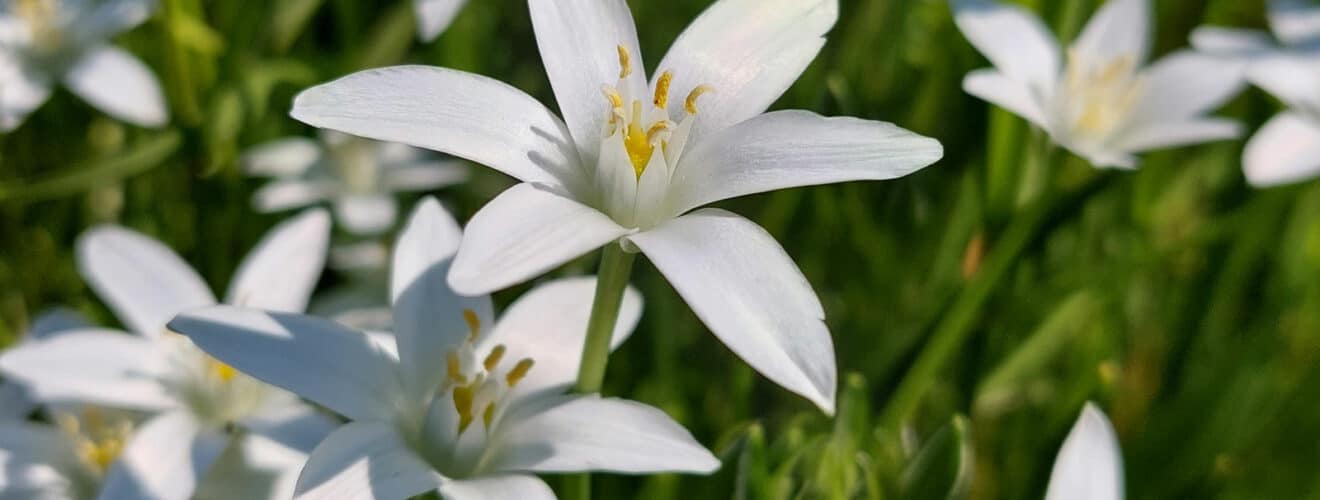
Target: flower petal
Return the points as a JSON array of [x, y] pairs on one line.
[[15, 404], [1285, 150], [1014, 39], [110, 17], [143, 282], [25, 90], [1119, 28], [1171, 134], [579, 41], [749, 52], [282, 195], [424, 175], [548, 324], [524, 232], [164, 460], [318, 359], [1295, 80], [365, 460], [1090, 463], [366, 214], [1295, 22], [253, 468], [117, 83], [55, 321], [470, 116], [787, 149], [93, 366], [33, 459], [751, 295], [286, 157], [498, 487], [281, 271], [1007, 93], [1186, 84], [429, 318], [433, 16], [590, 433], [1233, 42], [295, 425]]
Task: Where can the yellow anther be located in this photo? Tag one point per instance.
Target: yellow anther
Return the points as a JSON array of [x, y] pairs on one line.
[[454, 368], [519, 371], [473, 323], [221, 370], [493, 359], [691, 104], [463, 404], [662, 89], [658, 128], [616, 100], [625, 63], [488, 415]]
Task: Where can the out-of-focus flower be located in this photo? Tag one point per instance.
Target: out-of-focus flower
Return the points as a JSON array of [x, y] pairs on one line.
[[44, 41], [434, 16], [455, 402], [630, 163], [15, 402], [1090, 463], [66, 461], [1099, 102], [1295, 24], [1287, 148], [357, 176], [193, 399]]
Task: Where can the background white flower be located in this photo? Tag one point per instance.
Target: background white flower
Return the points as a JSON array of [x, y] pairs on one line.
[[627, 162], [15, 402], [1090, 462], [193, 399], [454, 401], [1287, 148], [1295, 24], [44, 41], [357, 176], [434, 16], [1101, 102], [66, 461]]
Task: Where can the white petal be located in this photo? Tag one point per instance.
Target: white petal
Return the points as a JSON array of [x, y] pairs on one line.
[[1295, 22], [1119, 28], [1236, 42], [102, 367], [1185, 84], [119, 84], [1013, 39], [579, 41], [253, 468], [15, 404], [111, 17], [1169, 134], [39, 462], [424, 175], [281, 158], [1090, 463], [1295, 80], [25, 89], [366, 214], [498, 487], [466, 115], [751, 295], [318, 359], [787, 149], [749, 52], [1285, 150], [297, 426], [282, 195], [164, 460], [549, 324], [1007, 93], [143, 282], [433, 16], [524, 232], [428, 316], [55, 321], [281, 271], [589, 433], [365, 460]]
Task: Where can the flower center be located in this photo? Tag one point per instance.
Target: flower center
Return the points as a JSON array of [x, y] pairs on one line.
[[643, 130], [477, 388], [98, 439], [1100, 95], [41, 18]]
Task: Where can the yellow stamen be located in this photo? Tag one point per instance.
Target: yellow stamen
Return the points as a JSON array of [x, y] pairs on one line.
[[493, 359], [454, 368], [518, 372], [662, 89], [660, 127], [473, 323], [463, 404], [222, 371], [625, 63], [488, 415], [691, 104]]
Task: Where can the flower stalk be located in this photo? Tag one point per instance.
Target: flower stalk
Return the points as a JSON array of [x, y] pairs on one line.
[[615, 268]]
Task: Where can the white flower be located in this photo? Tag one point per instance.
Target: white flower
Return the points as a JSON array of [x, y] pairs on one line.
[[43, 41], [358, 177], [1295, 24], [630, 164], [1287, 148], [193, 399], [66, 461], [15, 402], [434, 16], [1090, 463], [1100, 103]]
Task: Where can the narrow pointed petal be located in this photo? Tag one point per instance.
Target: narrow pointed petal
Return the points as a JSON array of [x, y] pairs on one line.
[[365, 460], [317, 359], [297, 426], [165, 459], [579, 42], [1186, 84], [281, 271], [590, 433], [1000, 90], [281, 158], [1285, 150], [1090, 463], [117, 83], [749, 52], [143, 282], [366, 214], [751, 295], [1233, 42], [92, 366], [522, 233], [425, 175], [1295, 22], [26, 89], [110, 17], [429, 317], [1014, 39], [498, 487], [548, 325], [433, 16], [787, 149], [1170, 134], [469, 116], [1119, 28], [1295, 80], [55, 321]]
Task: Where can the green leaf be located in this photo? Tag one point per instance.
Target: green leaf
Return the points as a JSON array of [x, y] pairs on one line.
[[942, 469], [78, 178]]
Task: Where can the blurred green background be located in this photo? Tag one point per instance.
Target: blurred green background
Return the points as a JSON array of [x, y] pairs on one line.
[[1184, 302]]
